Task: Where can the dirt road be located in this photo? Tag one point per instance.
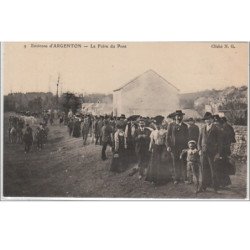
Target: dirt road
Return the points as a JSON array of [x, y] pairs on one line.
[[66, 168]]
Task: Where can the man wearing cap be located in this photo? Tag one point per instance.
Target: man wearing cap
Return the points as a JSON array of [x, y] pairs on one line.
[[209, 145], [142, 140], [177, 139], [193, 130]]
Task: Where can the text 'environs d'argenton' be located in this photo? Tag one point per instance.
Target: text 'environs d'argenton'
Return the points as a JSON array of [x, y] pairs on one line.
[[76, 45]]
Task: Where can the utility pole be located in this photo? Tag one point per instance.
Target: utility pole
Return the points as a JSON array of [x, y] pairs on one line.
[[57, 84]]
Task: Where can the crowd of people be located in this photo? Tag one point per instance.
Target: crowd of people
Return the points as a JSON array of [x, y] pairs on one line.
[[159, 150], [163, 150]]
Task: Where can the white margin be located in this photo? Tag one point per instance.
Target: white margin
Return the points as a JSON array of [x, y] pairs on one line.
[[1, 121], [3, 198]]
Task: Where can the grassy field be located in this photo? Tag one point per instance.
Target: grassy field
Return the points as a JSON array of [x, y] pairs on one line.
[[66, 168]]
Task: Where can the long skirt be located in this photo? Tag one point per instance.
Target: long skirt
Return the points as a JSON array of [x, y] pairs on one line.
[[158, 169], [222, 172], [119, 161], [76, 131]]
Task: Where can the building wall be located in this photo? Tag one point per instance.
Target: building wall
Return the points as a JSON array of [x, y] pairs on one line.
[[147, 98]]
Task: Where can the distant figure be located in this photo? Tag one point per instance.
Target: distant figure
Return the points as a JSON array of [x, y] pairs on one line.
[[61, 120], [99, 126], [39, 138], [27, 138], [70, 126], [106, 136], [51, 119], [85, 129], [77, 128]]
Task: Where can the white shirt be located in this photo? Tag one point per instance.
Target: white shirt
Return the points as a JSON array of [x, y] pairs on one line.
[[209, 126]]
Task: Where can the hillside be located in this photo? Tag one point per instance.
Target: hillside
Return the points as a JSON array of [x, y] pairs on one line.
[[231, 101]]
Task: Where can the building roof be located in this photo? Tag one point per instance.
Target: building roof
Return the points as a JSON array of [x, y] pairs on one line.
[[191, 113], [151, 72]]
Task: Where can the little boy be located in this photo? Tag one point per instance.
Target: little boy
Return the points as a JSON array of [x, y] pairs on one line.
[[193, 170]]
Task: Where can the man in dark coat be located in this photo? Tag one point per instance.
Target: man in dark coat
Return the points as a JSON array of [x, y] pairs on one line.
[[98, 130], [177, 139], [193, 131], [209, 145], [107, 138], [142, 140]]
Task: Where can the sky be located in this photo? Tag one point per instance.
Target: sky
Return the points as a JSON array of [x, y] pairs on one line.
[[105, 66]]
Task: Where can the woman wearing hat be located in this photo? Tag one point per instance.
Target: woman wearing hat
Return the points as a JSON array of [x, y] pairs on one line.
[[157, 169], [177, 139], [119, 162]]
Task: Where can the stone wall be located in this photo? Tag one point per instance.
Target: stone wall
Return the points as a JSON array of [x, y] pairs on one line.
[[239, 149]]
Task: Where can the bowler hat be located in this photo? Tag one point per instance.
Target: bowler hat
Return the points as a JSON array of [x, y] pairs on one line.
[[158, 119], [207, 116], [172, 115], [178, 112], [133, 117], [216, 117]]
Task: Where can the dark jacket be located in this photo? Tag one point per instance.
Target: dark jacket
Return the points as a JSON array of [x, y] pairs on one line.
[[142, 143], [177, 137], [193, 132], [210, 142], [228, 138]]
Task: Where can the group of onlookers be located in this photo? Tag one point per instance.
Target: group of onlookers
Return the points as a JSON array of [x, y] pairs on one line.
[[161, 151]]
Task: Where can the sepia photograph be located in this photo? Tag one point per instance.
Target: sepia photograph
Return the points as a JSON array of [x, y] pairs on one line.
[[125, 120]]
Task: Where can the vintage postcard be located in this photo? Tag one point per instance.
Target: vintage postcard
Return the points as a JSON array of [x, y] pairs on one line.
[[124, 120]]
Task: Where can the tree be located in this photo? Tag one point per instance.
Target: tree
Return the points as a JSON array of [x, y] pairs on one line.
[[35, 105], [69, 101]]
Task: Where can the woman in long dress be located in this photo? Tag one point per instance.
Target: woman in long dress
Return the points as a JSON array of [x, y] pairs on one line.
[[119, 161], [77, 128], [158, 171]]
